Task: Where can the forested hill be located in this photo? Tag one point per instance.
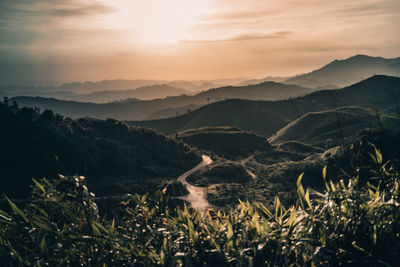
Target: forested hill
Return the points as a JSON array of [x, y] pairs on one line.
[[115, 158], [379, 93]]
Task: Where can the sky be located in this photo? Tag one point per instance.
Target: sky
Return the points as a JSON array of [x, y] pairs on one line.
[[58, 41]]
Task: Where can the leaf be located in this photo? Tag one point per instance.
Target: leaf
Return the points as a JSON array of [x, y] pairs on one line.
[[39, 185], [42, 211], [229, 234], [43, 226], [43, 245], [112, 228], [307, 198], [16, 210], [300, 190], [277, 206], [378, 155], [324, 178], [5, 216], [265, 210], [165, 243], [299, 185], [373, 157], [324, 172], [101, 227], [96, 230]]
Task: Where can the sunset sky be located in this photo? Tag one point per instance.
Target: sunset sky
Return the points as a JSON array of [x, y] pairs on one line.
[[56, 41]]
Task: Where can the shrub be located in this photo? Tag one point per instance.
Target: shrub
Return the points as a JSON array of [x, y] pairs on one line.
[[348, 224]]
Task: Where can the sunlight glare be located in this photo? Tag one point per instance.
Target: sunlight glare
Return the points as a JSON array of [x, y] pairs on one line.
[[155, 21]]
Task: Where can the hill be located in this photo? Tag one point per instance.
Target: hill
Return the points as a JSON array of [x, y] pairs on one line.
[[262, 91], [341, 73], [115, 158], [112, 85], [133, 109], [330, 127], [143, 93], [266, 117], [226, 142]]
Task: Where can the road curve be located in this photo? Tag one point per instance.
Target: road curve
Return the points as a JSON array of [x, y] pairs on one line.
[[197, 195]]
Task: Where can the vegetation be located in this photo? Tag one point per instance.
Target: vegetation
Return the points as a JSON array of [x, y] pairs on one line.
[[379, 93], [351, 222], [227, 142], [220, 172], [115, 158], [135, 109], [331, 127]]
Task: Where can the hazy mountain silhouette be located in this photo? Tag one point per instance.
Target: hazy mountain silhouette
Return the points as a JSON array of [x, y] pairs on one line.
[[341, 73], [70, 89], [266, 79], [379, 92], [144, 93], [133, 109]]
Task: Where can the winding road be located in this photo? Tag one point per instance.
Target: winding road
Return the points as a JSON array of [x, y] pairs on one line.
[[197, 195], [243, 163]]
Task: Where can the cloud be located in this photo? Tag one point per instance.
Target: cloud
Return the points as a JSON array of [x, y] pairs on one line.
[[24, 21], [17, 12], [244, 37]]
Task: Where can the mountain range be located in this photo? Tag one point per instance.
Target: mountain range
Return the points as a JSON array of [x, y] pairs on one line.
[[134, 109], [339, 73], [336, 74], [379, 93]]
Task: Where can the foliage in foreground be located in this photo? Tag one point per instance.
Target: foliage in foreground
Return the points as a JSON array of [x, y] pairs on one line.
[[348, 224]]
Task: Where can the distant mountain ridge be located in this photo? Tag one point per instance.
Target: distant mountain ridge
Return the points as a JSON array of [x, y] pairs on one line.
[[133, 109], [115, 85], [348, 71], [143, 93], [379, 92]]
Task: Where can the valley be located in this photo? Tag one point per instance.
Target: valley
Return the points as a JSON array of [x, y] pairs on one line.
[[227, 163]]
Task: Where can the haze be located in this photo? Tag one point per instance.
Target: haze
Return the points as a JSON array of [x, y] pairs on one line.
[[52, 42]]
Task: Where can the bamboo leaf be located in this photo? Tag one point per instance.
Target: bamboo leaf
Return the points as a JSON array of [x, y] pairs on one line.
[[16, 210], [101, 227], [307, 198], [96, 230], [229, 234], [38, 185], [378, 155], [43, 245]]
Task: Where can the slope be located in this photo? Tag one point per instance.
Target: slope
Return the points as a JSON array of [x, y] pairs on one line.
[[333, 126], [114, 157], [379, 92], [227, 142], [348, 71], [134, 109]]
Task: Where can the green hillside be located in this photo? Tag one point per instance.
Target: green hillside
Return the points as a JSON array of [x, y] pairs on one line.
[[333, 126], [115, 158], [226, 142], [380, 93]]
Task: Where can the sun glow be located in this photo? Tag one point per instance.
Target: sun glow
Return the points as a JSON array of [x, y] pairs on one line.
[[155, 21]]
